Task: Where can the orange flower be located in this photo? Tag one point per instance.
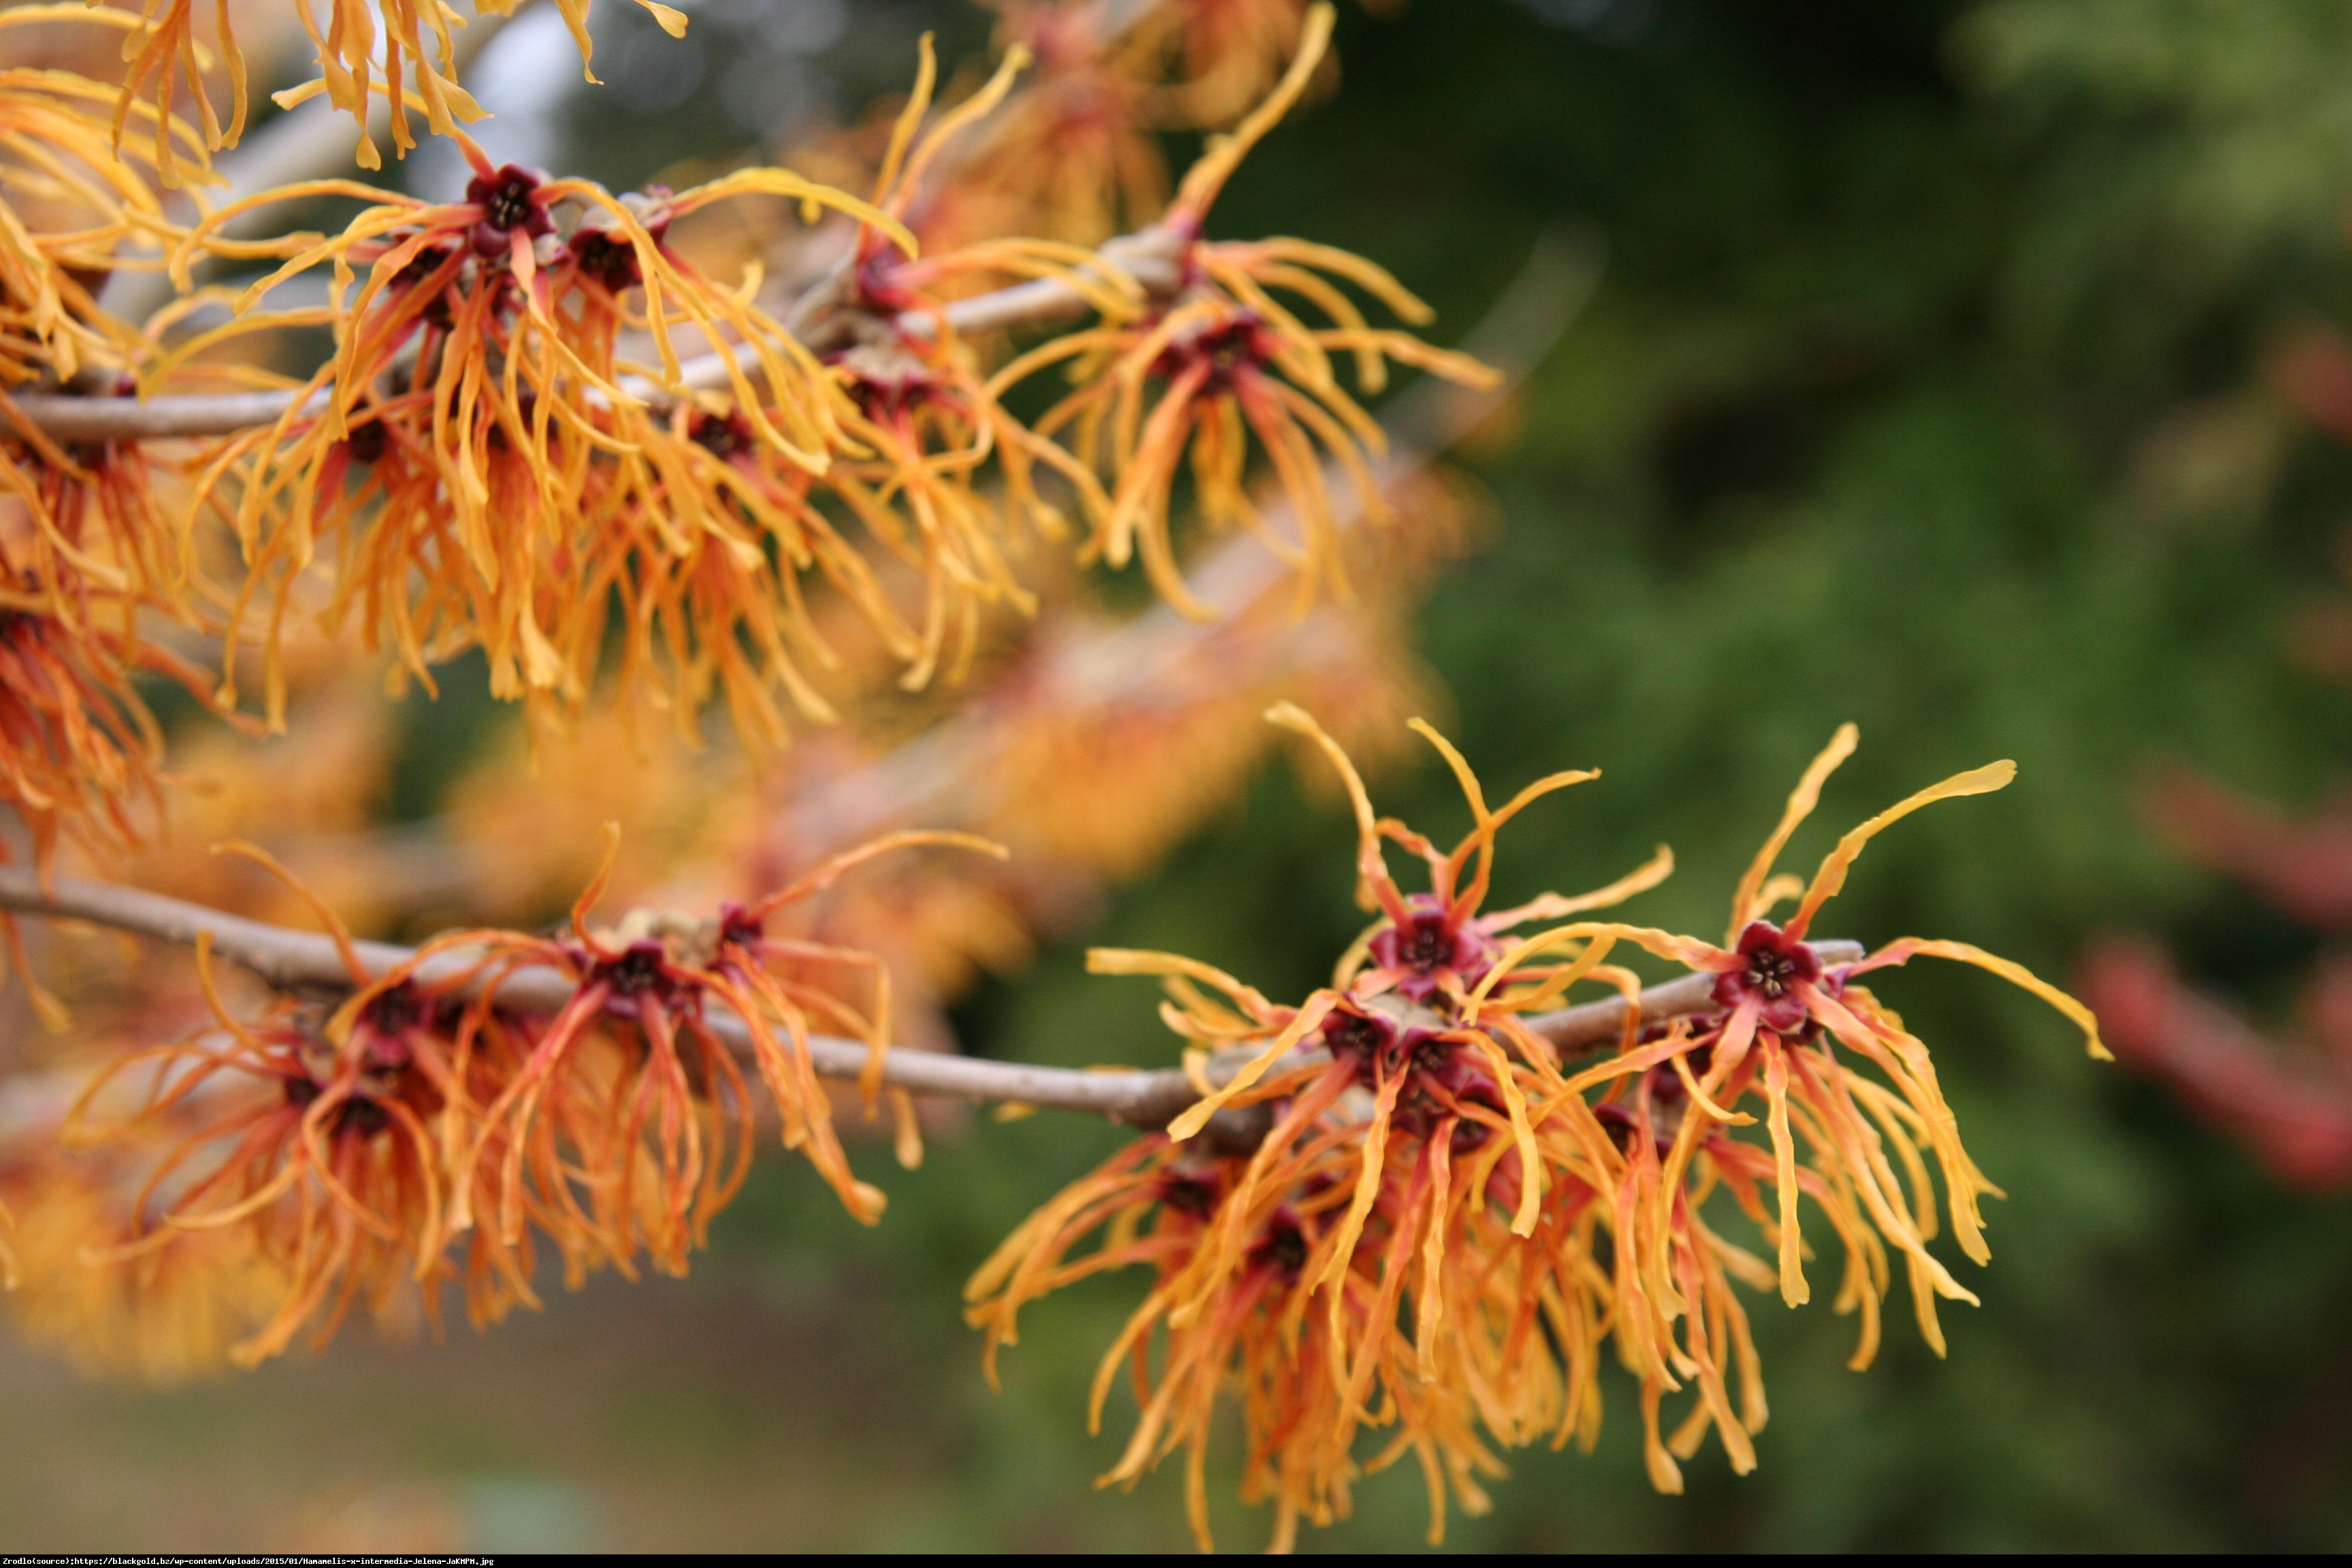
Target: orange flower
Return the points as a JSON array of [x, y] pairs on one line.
[[1780, 997], [1404, 1162], [73, 204], [78, 748], [1073, 156], [1227, 361], [94, 525], [162, 50], [491, 440], [703, 543], [923, 419], [1476, 1220], [1783, 1010], [645, 1095], [324, 1154], [1303, 1394], [1665, 1267], [353, 1149], [318, 1148]]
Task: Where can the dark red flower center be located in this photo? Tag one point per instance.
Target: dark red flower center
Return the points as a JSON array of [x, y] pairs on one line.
[[1239, 342], [609, 261], [367, 443], [509, 199], [422, 269], [736, 926], [1193, 1195], [1431, 940], [878, 288], [1772, 972], [392, 1011], [1359, 1036], [420, 266], [1284, 1250], [641, 966], [1772, 965], [885, 397], [358, 1115], [723, 436], [1442, 1073]]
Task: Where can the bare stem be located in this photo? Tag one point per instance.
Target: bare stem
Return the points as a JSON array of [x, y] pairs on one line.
[[307, 961]]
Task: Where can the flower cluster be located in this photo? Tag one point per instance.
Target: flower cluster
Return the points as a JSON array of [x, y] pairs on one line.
[[565, 427], [546, 430], [512, 446], [1396, 1207], [474, 463], [70, 205], [428, 1132], [87, 544], [1226, 360]]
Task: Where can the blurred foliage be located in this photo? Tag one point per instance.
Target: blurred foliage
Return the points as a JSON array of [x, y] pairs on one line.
[[1924, 389]]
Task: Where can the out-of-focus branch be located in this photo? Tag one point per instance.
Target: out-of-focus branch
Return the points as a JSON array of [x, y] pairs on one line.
[[1148, 258], [308, 962], [2292, 1110], [937, 774]]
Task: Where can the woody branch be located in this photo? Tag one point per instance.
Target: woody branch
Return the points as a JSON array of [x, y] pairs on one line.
[[300, 961], [1147, 256], [924, 778]]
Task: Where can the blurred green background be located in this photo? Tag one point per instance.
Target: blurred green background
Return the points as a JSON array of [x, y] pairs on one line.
[[1924, 388]]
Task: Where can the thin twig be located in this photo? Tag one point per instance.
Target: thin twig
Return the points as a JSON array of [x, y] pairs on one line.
[[300, 961]]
